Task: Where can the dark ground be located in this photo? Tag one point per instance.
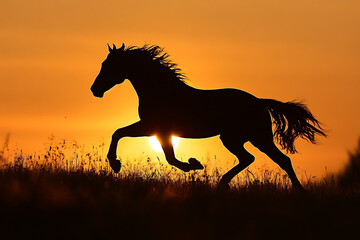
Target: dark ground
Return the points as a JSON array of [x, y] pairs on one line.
[[59, 204]]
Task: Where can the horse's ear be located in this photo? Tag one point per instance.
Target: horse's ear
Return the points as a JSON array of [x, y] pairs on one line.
[[114, 47], [122, 47], [110, 50]]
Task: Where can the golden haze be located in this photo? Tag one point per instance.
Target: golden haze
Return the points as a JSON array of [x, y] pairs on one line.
[[51, 52]]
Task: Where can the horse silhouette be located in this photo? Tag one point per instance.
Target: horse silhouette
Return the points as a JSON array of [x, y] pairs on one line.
[[169, 107]]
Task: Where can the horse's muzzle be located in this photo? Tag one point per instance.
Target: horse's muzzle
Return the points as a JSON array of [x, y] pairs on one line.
[[97, 93]]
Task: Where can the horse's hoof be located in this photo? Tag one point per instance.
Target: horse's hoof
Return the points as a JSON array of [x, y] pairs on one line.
[[195, 164], [115, 165]]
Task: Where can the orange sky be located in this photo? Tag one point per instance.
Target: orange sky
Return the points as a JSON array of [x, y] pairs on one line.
[[51, 51]]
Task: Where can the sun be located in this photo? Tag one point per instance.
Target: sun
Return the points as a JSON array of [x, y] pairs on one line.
[[155, 144]]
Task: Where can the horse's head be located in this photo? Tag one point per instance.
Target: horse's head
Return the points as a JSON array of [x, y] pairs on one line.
[[111, 72]]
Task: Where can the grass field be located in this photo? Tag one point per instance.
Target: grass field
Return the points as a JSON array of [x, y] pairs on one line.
[[67, 192]]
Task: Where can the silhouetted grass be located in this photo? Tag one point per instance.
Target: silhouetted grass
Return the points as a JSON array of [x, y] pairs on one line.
[[349, 177], [68, 192]]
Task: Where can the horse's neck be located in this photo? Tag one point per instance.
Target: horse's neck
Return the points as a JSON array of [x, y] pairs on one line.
[[152, 86]]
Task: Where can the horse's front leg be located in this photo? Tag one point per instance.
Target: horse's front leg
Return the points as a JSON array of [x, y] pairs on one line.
[[166, 144], [137, 129]]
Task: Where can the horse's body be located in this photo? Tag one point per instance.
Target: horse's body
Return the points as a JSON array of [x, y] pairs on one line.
[[168, 106], [194, 113]]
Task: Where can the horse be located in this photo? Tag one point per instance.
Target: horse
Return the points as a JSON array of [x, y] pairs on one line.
[[168, 107]]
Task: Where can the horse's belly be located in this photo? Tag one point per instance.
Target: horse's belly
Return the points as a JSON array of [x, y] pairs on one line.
[[195, 130]]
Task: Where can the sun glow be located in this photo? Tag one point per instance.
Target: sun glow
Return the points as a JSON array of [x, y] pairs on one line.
[[155, 144]]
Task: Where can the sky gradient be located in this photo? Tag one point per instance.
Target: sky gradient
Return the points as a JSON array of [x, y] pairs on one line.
[[51, 52]]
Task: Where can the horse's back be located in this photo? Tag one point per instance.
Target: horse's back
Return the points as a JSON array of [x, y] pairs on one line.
[[227, 101], [222, 108]]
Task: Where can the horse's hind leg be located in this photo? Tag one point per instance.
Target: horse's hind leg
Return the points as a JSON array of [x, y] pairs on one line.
[[269, 148], [236, 147]]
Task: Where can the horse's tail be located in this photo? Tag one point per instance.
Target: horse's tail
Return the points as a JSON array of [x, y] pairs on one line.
[[293, 120]]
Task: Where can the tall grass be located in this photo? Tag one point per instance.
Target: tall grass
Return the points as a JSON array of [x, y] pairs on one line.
[[68, 191], [69, 156]]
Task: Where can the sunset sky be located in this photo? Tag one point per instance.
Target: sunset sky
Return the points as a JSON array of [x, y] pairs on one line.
[[51, 52]]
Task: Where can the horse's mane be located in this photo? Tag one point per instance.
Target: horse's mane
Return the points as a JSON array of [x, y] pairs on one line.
[[158, 56]]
